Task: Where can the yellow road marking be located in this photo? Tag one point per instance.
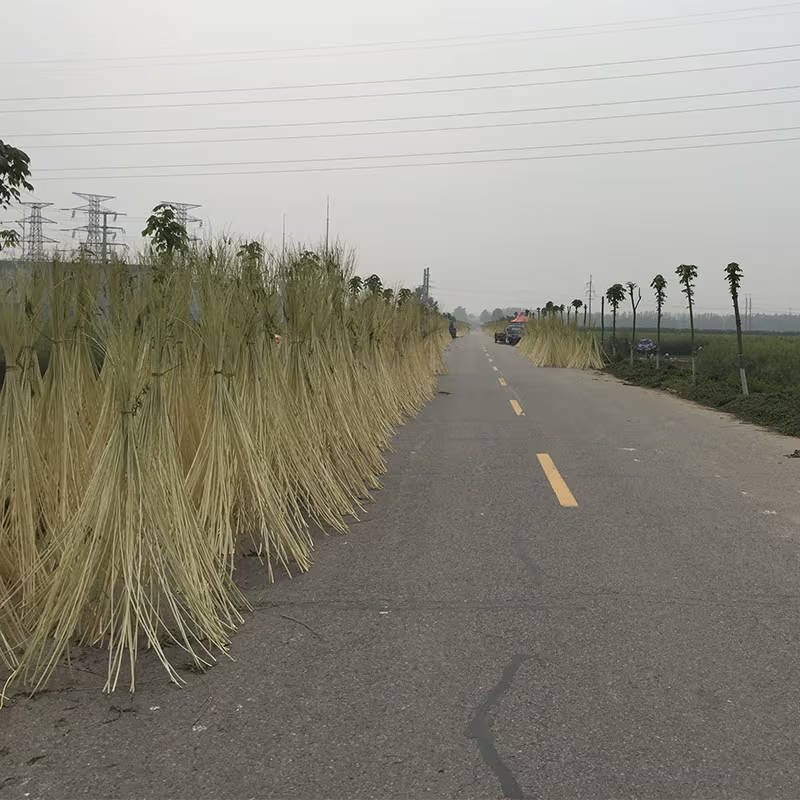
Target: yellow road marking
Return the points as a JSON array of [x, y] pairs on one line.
[[494, 368], [490, 360], [502, 381], [517, 408], [564, 495]]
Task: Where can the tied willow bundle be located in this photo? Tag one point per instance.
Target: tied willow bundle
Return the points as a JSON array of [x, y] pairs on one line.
[[230, 480], [23, 479], [63, 426]]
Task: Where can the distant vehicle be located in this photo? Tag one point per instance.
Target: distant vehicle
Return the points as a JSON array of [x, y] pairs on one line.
[[511, 335], [646, 347], [514, 333]]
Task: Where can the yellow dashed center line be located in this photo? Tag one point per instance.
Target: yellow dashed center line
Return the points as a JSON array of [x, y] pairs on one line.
[[517, 408], [502, 381], [494, 368], [564, 495]]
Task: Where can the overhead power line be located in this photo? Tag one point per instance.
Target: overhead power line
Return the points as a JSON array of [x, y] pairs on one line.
[[365, 167], [434, 154], [411, 79], [442, 129], [404, 93], [418, 117], [701, 18]]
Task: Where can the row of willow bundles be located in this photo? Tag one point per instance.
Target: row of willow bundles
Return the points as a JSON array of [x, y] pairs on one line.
[[190, 408], [551, 342]]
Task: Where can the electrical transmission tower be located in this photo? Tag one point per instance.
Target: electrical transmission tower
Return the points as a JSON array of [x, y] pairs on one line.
[[32, 234], [99, 234], [426, 284], [183, 217], [590, 294]]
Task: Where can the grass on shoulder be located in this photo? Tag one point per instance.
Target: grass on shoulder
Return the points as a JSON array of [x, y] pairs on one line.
[[774, 407]]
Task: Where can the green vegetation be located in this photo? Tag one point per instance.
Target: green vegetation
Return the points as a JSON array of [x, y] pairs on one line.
[[772, 362]]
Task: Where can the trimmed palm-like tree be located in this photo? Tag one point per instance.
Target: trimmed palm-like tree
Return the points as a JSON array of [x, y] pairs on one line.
[[659, 286], [634, 305], [733, 274], [373, 284], [687, 274], [355, 285], [615, 294], [577, 305]]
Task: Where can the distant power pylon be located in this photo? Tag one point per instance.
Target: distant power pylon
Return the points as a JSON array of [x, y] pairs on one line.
[[100, 236], [183, 217], [426, 284], [32, 234], [590, 294]]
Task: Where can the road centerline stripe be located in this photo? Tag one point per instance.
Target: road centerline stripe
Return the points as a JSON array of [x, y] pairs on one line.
[[557, 483], [502, 381], [517, 407], [494, 368]]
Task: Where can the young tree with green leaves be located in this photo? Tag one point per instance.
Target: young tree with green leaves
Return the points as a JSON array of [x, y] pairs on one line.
[[403, 296], [733, 274], [687, 274], [615, 294], [14, 174], [659, 286], [167, 235], [634, 306]]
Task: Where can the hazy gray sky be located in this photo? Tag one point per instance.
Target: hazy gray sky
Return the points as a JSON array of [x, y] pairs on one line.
[[494, 234]]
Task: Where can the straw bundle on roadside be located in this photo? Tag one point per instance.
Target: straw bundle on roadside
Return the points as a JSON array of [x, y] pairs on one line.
[[550, 342], [195, 406], [24, 520]]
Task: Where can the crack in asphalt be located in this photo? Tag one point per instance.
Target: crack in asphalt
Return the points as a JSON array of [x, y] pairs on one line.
[[480, 728]]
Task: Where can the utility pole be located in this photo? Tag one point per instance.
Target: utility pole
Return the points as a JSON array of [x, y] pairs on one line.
[[426, 284], [327, 222], [589, 296], [33, 246], [99, 234], [283, 238]]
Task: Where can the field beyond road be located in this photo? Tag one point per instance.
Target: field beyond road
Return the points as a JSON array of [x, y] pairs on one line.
[[477, 635], [772, 362]]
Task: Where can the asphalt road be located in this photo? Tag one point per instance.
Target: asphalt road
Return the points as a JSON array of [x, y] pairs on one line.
[[473, 637]]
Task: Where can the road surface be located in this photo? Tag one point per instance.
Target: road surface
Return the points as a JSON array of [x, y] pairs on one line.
[[568, 588]]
